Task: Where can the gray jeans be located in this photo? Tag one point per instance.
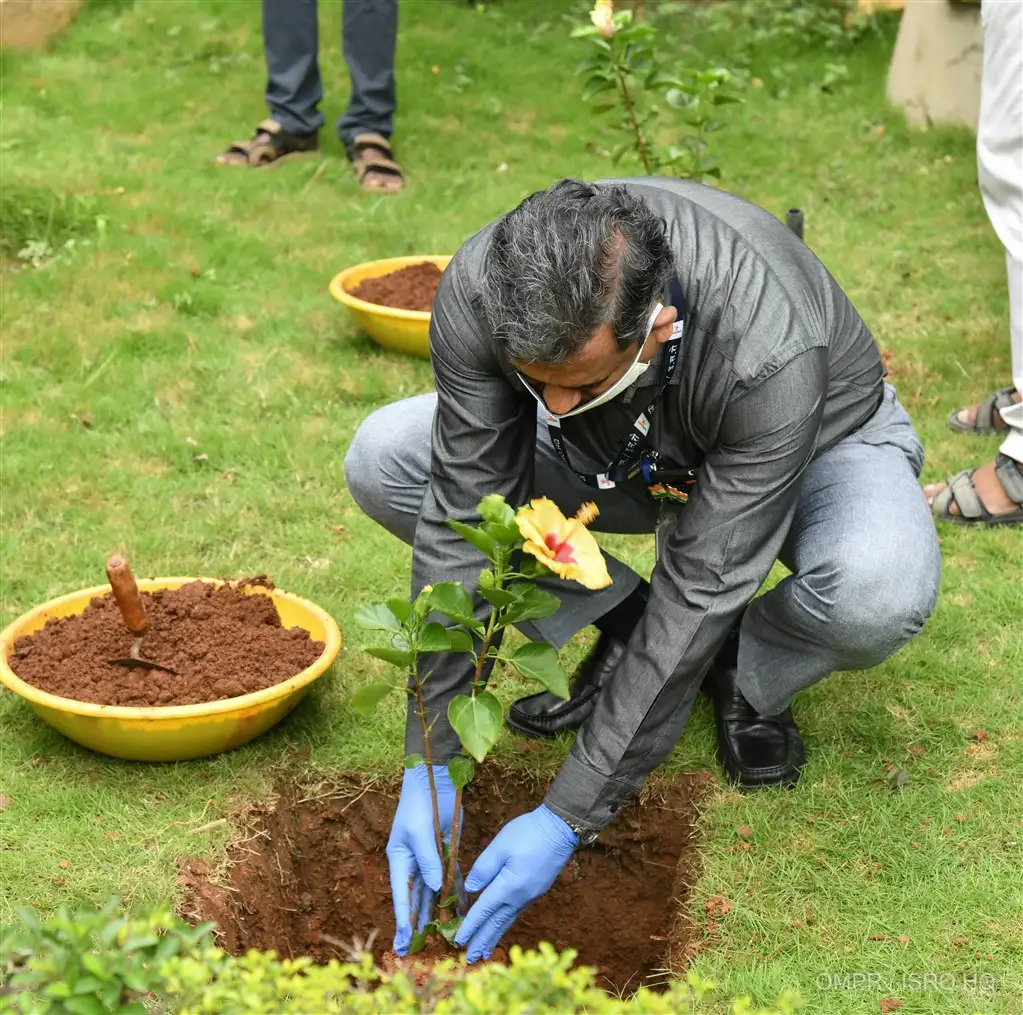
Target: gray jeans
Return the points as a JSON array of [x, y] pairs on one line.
[[369, 31], [862, 548]]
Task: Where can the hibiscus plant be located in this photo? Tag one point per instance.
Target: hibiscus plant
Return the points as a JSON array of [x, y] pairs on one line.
[[626, 76], [536, 541]]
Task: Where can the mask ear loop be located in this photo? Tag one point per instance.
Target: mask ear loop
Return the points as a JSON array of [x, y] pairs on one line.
[[653, 317]]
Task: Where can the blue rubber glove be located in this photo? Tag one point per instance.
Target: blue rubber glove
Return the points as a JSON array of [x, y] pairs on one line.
[[416, 871], [516, 868]]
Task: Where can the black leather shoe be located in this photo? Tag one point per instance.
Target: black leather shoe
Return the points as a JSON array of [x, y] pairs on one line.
[[546, 715], [755, 750]]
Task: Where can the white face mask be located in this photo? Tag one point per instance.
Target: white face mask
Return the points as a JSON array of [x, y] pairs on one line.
[[635, 371]]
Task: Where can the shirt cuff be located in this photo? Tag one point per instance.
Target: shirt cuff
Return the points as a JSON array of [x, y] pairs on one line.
[[586, 800]]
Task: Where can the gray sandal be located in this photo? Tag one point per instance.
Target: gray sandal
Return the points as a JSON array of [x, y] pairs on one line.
[[961, 490], [985, 421]]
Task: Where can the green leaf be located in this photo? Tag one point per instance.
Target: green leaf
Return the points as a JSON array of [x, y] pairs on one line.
[[418, 942], [539, 660], [461, 770], [452, 599], [461, 641], [366, 698], [86, 1005], [658, 78], [377, 618], [95, 965], [29, 919], [494, 508], [483, 542], [401, 608], [499, 520], [433, 637], [87, 985], [487, 588], [449, 928], [616, 156], [597, 85], [477, 721], [584, 32], [141, 941], [593, 65], [533, 568], [421, 606], [679, 98], [110, 931], [533, 604], [397, 656], [414, 760], [169, 945], [497, 597]]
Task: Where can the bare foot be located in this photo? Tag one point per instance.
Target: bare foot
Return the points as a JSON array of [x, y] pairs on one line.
[[968, 415], [989, 490]]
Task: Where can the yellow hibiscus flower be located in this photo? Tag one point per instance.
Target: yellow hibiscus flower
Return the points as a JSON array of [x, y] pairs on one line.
[[601, 17], [563, 544]]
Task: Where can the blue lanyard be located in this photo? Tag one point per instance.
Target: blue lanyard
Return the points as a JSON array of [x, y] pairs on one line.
[[627, 463]]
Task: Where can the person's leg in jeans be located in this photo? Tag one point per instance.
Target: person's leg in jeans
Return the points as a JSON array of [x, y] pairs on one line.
[[293, 87], [369, 32], [993, 493], [291, 43], [866, 567]]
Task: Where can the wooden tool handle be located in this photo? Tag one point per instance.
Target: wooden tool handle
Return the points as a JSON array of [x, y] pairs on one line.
[[126, 594]]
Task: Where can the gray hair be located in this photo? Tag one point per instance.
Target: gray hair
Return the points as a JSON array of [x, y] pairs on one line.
[[568, 260]]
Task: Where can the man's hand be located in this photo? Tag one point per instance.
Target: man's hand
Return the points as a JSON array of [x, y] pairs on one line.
[[516, 868], [416, 871]]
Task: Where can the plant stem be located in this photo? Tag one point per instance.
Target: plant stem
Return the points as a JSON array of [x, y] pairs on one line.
[[448, 888], [641, 145], [428, 754]]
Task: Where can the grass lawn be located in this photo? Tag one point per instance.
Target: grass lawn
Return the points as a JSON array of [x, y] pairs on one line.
[[196, 321]]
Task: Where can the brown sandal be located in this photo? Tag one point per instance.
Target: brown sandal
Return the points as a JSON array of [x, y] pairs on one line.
[[371, 153], [270, 145]]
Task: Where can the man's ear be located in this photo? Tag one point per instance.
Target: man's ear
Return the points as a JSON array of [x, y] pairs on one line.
[[662, 324]]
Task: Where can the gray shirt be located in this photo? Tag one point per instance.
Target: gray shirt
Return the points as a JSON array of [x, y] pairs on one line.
[[776, 367]]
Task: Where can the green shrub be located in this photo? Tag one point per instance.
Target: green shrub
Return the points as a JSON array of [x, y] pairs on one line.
[[99, 962], [90, 963]]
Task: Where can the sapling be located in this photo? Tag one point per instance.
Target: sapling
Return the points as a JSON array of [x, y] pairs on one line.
[[625, 74], [537, 541]]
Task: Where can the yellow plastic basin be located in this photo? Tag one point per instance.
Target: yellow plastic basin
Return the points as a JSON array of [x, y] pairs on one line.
[[405, 331], [172, 732]]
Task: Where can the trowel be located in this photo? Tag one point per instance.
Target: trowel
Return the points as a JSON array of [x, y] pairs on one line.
[[133, 612]]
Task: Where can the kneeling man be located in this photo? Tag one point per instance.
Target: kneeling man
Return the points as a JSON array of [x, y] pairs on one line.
[[678, 356]]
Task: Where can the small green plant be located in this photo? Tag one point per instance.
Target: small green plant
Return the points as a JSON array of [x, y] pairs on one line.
[[37, 224], [535, 542], [626, 76], [98, 962], [94, 962]]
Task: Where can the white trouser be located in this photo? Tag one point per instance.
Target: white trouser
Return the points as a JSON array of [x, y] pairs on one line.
[[1000, 170]]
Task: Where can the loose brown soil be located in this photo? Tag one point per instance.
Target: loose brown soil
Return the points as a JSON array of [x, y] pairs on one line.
[[311, 876], [222, 642], [410, 288]]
